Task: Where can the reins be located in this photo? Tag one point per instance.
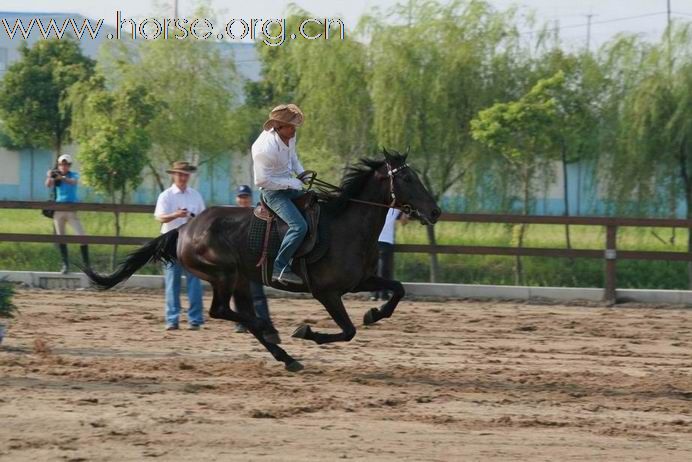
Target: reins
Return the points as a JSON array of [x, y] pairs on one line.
[[328, 188]]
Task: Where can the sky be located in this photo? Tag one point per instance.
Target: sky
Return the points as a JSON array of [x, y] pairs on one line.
[[609, 16]]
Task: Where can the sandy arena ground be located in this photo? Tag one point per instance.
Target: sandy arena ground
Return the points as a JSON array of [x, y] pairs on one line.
[[93, 376]]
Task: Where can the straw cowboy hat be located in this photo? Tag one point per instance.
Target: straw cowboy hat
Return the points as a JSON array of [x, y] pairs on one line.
[[182, 167], [288, 114]]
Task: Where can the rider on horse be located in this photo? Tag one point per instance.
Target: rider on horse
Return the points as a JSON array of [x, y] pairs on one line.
[[275, 160]]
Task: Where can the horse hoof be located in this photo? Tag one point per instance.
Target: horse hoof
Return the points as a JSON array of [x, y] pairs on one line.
[[294, 366], [302, 332], [272, 337], [371, 316]]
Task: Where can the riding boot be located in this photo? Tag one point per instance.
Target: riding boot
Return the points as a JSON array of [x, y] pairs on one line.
[[85, 255], [63, 256]]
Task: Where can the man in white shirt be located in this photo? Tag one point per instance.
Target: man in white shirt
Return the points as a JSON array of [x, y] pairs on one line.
[[274, 162], [175, 207]]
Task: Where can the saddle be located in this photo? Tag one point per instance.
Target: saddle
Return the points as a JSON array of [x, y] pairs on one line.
[[308, 206]]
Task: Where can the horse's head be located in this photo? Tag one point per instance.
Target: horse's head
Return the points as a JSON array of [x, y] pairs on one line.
[[407, 190]]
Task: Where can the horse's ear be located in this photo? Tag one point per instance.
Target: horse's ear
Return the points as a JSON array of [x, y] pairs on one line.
[[408, 150], [387, 156]]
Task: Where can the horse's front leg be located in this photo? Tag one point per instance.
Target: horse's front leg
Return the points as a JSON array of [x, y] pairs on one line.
[[376, 283], [335, 306], [221, 309]]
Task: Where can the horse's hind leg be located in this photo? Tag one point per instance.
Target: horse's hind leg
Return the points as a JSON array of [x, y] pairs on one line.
[[332, 302], [221, 309], [245, 304], [376, 283]]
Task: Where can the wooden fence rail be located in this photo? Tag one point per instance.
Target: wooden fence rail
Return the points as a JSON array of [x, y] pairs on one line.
[[609, 254]]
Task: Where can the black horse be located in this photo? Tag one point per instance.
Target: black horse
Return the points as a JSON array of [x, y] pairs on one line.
[[213, 246]]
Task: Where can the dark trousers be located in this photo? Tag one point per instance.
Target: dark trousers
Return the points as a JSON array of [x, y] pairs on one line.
[[259, 301], [385, 266]]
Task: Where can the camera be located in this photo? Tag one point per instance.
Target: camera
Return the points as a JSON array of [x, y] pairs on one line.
[[54, 173]]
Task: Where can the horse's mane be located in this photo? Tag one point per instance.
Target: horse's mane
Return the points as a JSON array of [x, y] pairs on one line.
[[354, 179]]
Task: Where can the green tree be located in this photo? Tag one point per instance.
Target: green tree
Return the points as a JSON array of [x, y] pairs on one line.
[[434, 66], [34, 90], [111, 128], [199, 83], [520, 131], [327, 78], [654, 161], [577, 129]]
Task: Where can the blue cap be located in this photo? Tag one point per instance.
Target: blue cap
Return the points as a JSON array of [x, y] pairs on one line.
[[244, 190]]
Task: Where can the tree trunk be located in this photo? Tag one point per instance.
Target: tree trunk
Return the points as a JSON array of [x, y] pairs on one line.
[[157, 177], [58, 147], [688, 204], [434, 264], [31, 175], [210, 170], [114, 253], [565, 193], [579, 167], [519, 267], [689, 245]]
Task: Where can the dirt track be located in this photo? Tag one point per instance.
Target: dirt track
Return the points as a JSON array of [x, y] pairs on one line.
[[439, 381]]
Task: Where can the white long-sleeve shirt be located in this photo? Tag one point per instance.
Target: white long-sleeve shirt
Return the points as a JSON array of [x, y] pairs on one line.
[[274, 162]]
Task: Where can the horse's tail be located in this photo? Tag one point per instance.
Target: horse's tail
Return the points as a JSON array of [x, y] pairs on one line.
[[163, 248]]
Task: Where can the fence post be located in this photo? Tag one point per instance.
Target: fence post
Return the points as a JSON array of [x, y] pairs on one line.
[[610, 255]]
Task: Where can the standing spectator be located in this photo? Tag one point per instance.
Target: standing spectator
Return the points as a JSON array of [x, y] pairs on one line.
[[175, 207], [385, 246], [243, 198], [65, 183]]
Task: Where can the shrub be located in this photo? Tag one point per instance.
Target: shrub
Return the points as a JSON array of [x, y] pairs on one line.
[[7, 309]]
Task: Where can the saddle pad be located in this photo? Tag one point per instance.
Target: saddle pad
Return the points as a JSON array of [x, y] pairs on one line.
[[258, 228]]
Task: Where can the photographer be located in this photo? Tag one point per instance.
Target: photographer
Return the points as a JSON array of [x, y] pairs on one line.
[[65, 183]]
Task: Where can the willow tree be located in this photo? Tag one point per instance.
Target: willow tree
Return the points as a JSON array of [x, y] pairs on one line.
[[521, 131], [198, 81], [111, 128], [655, 160], [327, 78], [434, 66]]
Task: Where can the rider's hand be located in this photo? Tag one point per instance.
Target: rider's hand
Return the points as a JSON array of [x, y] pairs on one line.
[[306, 176], [180, 213]]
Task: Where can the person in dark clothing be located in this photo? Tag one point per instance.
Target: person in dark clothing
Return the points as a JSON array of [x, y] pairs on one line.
[[385, 246], [243, 198]]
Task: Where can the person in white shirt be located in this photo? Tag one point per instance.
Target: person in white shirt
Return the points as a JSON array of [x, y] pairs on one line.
[[274, 162], [385, 246], [175, 207]]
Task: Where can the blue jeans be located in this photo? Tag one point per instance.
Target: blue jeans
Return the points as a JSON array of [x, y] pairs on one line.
[[259, 301], [281, 202], [172, 275]]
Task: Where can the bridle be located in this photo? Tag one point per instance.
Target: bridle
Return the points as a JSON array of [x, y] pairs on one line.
[[391, 172]]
